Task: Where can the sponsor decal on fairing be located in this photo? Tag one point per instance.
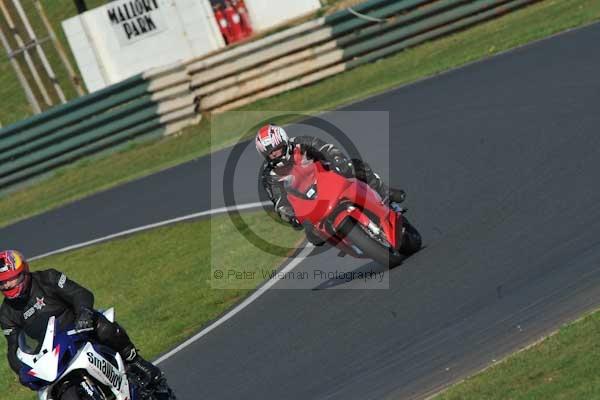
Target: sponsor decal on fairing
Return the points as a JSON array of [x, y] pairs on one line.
[[113, 376]]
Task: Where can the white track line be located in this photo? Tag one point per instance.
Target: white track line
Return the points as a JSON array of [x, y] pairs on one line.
[[259, 292], [152, 226]]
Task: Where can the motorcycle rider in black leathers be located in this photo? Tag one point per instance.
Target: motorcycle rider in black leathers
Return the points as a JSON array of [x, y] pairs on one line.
[[31, 298], [273, 143]]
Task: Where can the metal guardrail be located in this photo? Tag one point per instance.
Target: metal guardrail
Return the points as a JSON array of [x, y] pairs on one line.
[[147, 105], [165, 100]]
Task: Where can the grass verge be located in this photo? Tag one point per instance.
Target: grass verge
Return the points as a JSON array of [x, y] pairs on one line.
[[509, 31], [563, 366], [159, 281]]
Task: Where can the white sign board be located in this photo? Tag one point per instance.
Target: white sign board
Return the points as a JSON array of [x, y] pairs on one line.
[[123, 38], [266, 14], [133, 20]]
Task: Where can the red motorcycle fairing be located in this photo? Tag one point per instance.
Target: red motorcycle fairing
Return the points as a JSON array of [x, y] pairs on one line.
[[328, 200], [366, 208]]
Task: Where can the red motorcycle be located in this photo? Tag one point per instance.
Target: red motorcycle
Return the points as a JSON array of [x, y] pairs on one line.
[[349, 214]]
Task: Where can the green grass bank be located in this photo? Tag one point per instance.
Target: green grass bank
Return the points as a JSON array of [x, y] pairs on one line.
[[562, 366], [160, 281]]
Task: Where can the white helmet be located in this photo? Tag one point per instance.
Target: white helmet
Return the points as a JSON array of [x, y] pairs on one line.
[[272, 143]]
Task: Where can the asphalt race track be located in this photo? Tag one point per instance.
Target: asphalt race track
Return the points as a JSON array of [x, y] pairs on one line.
[[501, 162]]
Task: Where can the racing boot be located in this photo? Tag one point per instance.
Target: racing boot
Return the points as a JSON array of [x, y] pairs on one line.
[[388, 194], [396, 195], [150, 374]]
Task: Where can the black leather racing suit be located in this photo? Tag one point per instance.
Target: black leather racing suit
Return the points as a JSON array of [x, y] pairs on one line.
[[318, 150], [53, 294]]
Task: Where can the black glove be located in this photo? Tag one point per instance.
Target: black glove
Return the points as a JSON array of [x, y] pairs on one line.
[[86, 319]]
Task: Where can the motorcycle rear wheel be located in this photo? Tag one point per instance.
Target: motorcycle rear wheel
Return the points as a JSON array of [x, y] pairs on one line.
[[411, 240]]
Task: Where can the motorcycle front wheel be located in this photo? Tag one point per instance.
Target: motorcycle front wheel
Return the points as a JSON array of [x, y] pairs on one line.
[[77, 392], [371, 247]]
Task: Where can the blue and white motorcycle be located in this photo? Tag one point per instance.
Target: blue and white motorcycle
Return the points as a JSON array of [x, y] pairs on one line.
[[69, 366]]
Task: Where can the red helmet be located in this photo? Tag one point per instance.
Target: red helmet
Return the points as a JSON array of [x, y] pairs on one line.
[[14, 274], [272, 143]]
